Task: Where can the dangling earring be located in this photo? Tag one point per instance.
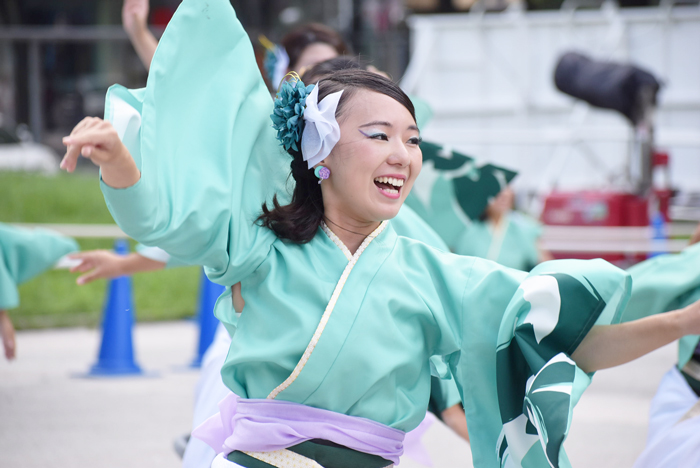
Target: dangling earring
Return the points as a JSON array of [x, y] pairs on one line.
[[322, 173]]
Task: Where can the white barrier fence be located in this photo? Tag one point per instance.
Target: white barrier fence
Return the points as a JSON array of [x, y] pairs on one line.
[[95, 231], [554, 238]]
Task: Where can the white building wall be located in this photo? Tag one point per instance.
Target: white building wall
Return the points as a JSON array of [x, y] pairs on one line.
[[489, 79]]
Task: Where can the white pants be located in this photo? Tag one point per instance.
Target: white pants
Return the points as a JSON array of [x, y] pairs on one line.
[[209, 392], [670, 443]]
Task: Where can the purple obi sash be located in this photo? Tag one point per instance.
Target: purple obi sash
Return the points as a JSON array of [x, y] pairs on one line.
[[257, 425]]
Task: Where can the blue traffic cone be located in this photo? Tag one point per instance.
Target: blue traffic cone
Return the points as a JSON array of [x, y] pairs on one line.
[[208, 294], [117, 351]]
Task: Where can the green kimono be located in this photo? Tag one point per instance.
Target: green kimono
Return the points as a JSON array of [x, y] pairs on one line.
[[159, 255], [433, 196], [665, 283], [347, 333], [451, 192], [24, 254], [514, 244]]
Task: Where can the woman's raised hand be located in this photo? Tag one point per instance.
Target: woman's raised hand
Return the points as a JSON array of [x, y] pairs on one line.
[[99, 264], [7, 335], [135, 22], [97, 140], [135, 16]]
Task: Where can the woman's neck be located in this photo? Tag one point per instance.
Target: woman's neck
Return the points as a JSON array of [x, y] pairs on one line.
[[350, 232]]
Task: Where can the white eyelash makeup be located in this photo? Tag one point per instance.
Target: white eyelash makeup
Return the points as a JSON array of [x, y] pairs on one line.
[[418, 139]]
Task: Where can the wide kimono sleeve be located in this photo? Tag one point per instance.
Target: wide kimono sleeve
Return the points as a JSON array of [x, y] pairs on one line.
[[160, 255], [201, 135], [24, 254], [408, 224], [664, 283], [516, 334]]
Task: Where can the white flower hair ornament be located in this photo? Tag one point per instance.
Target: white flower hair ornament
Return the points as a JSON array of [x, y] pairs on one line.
[[304, 124], [321, 130]]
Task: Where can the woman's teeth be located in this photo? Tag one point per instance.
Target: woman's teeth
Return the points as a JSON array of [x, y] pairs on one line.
[[391, 181]]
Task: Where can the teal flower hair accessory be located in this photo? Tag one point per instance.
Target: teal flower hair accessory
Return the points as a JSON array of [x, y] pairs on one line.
[[288, 115]]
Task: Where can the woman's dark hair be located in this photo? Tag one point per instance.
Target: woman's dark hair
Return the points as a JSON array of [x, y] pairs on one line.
[[299, 39], [330, 66], [299, 221]]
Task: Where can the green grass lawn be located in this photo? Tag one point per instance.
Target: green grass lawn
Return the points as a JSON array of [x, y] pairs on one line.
[[53, 299]]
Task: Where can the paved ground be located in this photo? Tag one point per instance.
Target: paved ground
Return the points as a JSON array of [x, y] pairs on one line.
[[50, 418]]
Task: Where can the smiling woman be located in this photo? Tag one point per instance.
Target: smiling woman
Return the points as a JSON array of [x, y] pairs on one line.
[[372, 161], [330, 364]]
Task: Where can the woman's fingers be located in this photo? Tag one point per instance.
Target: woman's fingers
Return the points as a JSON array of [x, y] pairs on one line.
[[95, 140], [83, 255], [7, 334], [10, 347], [87, 150], [98, 264], [89, 277], [85, 123], [96, 154], [70, 160], [85, 265], [98, 141], [88, 261], [91, 136]]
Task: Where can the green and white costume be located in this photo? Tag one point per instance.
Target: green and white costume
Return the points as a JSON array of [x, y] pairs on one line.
[[661, 284], [433, 195], [452, 192], [352, 334], [24, 254], [665, 283], [512, 243]]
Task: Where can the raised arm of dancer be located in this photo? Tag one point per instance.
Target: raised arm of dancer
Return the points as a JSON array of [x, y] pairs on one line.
[[97, 140], [135, 23], [98, 264], [192, 186], [613, 345], [7, 333]]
